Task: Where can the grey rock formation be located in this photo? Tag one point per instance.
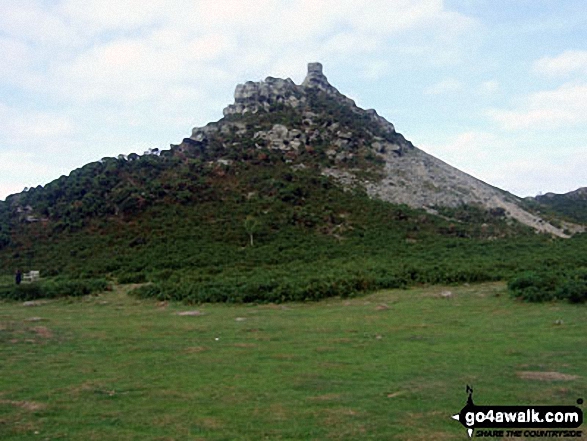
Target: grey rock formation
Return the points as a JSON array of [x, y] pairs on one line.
[[386, 125], [282, 138], [423, 181], [406, 175], [253, 97], [316, 79]]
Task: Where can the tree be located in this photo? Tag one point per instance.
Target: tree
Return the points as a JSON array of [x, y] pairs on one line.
[[251, 227]]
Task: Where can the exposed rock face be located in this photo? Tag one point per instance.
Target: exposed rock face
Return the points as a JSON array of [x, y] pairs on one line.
[[282, 138], [421, 180], [317, 79], [252, 97], [326, 121]]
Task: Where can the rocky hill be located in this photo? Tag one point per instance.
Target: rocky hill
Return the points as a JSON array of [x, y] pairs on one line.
[[296, 193], [314, 118], [272, 123]]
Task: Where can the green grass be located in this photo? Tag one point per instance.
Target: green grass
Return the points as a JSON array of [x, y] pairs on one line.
[[114, 367]]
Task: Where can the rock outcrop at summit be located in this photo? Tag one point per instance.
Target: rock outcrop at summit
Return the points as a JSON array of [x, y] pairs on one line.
[[329, 130], [253, 97], [316, 78]]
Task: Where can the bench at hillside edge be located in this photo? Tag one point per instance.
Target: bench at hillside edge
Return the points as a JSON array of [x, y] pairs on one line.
[[31, 276]]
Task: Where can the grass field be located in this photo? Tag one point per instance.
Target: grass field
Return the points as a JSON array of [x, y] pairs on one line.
[[391, 365]]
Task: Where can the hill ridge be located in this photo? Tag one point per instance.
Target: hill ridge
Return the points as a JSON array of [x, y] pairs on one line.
[[407, 174], [272, 125]]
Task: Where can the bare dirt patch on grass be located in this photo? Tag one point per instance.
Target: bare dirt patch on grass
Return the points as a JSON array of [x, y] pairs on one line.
[[279, 412], [43, 331], [189, 313], [209, 423], [545, 376], [321, 349], [196, 349], [35, 302], [341, 340], [17, 332], [326, 397], [245, 345], [396, 394], [93, 387], [33, 319], [31, 406], [285, 356]]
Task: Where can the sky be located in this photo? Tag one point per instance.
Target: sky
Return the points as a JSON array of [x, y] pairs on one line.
[[496, 88]]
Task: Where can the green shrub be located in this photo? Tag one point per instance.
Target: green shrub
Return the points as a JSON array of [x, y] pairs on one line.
[[163, 275], [73, 288], [132, 278], [147, 291], [23, 292], [575, 288], [575, 291], [534, 287], [53, 289], [545, 286]]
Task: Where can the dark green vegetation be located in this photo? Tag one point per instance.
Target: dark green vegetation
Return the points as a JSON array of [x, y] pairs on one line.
[[52, 288], [227, 217], [387, 366], [571, 206], [310, 238], [550, 285]]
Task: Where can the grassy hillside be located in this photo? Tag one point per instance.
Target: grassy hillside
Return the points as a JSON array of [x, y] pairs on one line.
[[310, 238], [392, 365], [572, 205], [264, 230]]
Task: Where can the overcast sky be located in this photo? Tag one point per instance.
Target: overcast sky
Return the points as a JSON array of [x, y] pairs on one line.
[[497, 88]]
